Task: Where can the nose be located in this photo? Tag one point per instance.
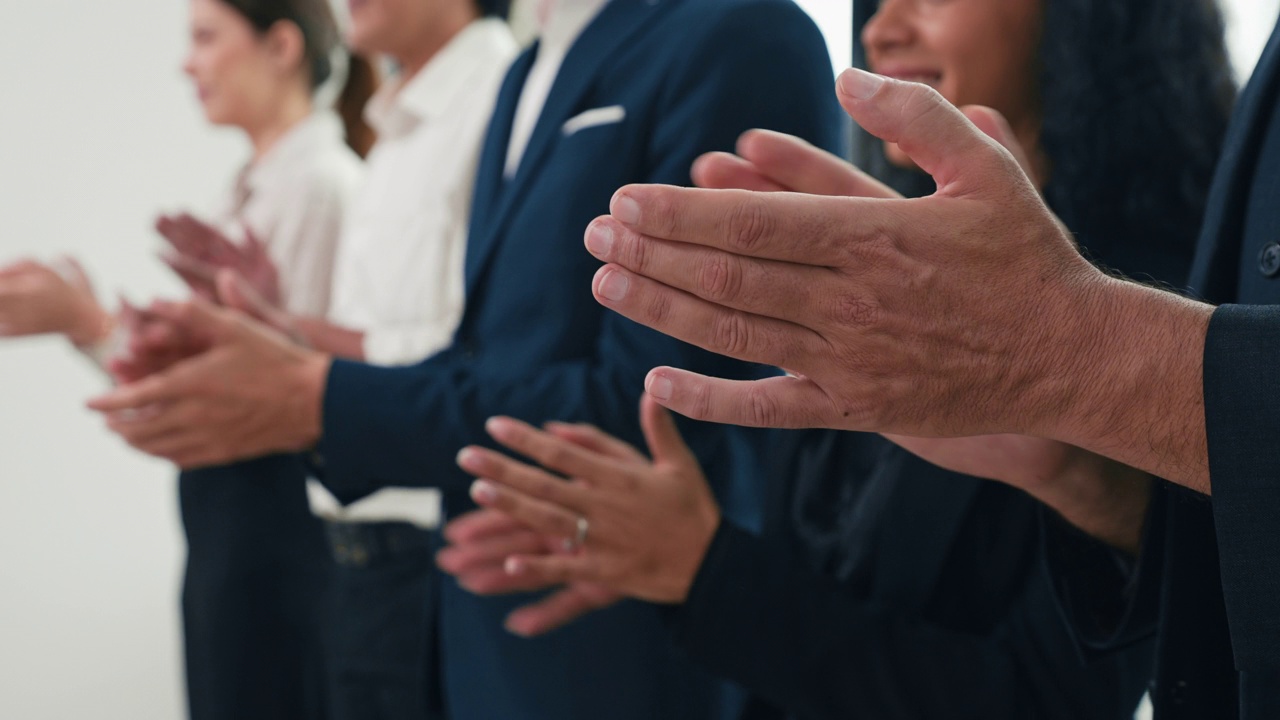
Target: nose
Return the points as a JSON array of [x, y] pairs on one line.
[[890, 27], [189, 65]]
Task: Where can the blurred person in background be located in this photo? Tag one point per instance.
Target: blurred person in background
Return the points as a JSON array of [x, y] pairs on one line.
[[257, 565], [883, 585], [397, 298], [613, 92]]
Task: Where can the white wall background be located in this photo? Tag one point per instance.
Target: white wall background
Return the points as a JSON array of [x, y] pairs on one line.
[[99, 132]]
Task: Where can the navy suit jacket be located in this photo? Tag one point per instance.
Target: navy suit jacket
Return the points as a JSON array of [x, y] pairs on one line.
[[1209, 580], [690, 76]]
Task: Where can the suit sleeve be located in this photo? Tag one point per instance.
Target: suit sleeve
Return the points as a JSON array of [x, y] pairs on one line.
[[758, 65], [1242, 419], [800, 641]]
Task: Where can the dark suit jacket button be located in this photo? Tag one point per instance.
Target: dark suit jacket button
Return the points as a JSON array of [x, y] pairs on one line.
[[1269, 260], [1179, 693]]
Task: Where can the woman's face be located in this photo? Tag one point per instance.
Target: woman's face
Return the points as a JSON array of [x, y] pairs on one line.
[[974, 52], [233, 67]]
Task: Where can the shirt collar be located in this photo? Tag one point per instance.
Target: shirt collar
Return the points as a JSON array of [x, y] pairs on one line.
[[399, 106], [296, 146]]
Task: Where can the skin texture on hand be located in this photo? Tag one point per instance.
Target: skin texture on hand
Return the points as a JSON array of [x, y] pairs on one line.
[[248, 392], [650, 522], [968, 312], [36, 299]]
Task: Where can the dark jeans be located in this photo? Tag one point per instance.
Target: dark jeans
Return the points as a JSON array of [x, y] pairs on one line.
[[382, 639]]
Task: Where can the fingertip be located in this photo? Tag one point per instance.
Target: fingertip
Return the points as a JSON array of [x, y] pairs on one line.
[[500, 428], [859, 85], [658, 386], [483, 492], [514, 566]]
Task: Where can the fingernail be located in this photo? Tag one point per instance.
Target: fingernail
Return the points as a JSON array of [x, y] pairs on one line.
[[483, 491], [625, 209], [468, 458], [599, 239], [498, 428], [613, 286], [513, 566], [659, 387], [860, 84]]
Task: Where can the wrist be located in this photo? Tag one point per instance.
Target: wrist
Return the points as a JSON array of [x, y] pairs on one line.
[[92, 327], [1128, 382], [310, 378]]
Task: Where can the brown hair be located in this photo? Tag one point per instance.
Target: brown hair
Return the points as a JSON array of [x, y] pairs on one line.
[[314, 18]]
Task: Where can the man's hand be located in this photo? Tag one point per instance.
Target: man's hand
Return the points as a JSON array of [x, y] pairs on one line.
[[249, 393], [200, 251], [967, 312]]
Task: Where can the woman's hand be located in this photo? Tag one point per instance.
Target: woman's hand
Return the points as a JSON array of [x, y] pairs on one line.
[[635, 527], [37, 299], [200, 251]]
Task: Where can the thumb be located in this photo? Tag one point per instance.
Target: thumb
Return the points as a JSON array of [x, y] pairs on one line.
[[996, 127], [661, 434], [931, 131], [196, 319]]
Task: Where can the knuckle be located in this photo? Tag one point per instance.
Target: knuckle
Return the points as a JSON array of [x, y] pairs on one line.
[[731, 334], [762, 409], [748, 224], [717, 279], [658, 309], [848, 309]]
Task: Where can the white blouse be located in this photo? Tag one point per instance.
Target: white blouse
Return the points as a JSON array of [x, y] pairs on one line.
[[295, 199]]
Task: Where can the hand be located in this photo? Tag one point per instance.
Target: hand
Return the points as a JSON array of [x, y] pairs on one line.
[[968, 312], [200, 251], [480, 543], [36, 299], [648, 523], [249, 393]]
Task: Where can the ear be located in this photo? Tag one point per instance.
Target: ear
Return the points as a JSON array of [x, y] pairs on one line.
[[287, 47]]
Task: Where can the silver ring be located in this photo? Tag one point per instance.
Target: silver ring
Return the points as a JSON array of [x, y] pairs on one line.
[[583, 526]]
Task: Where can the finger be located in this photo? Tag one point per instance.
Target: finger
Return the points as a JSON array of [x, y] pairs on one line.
[[196, 319], [150, 423], [930, 130], [235, 293], [198, 276], [792, 227], [555, 611], [163, 387], [555, 454], [724, 331], [726, 171], [783, 402], [661, 434], [764, 287], [480, 524], [802, 167], [552, 570], [596, 440], [496, 581], [18, 267], [541, 516], [526, 479], [994, 125], [490, 552]]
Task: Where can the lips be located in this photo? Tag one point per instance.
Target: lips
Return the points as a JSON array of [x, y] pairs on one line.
[[925, 76]]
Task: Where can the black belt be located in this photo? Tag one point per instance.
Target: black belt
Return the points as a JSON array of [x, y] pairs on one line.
[[361, 544]]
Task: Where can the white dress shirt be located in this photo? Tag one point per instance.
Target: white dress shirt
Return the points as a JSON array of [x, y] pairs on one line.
[[295, 199], [560, 22], [399, 272]]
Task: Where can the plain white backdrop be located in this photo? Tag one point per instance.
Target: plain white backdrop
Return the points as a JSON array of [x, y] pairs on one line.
[[100, 132]]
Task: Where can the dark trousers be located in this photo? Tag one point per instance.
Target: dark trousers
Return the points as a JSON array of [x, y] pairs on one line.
[[254, 593], [382, 640]]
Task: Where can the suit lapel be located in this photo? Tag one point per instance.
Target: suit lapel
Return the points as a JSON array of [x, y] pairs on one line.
[[493, 154], [1214, 272], [616, 23]]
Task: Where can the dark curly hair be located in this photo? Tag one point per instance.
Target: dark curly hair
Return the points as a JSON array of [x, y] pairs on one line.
[[1134, 98]]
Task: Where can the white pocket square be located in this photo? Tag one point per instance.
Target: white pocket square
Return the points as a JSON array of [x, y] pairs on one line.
[[592, 118]]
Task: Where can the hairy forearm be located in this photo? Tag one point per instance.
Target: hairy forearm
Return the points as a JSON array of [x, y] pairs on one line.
[[329, 338], [1127, 381]]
